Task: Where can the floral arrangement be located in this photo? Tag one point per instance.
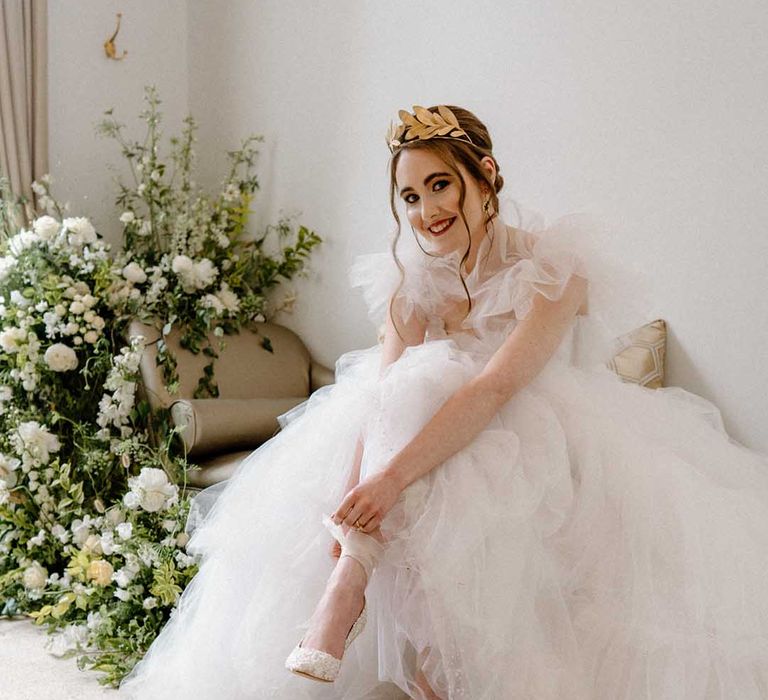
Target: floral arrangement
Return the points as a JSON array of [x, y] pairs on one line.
[[92, 528], [186, 258]]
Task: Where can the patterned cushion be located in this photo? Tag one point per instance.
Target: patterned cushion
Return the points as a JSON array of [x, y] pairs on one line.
[[642, 361]]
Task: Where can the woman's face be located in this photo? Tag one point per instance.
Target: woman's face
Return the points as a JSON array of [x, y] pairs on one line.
[[430, 192]]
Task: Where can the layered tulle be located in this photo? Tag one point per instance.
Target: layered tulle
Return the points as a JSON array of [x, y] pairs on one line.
[[596, 541]]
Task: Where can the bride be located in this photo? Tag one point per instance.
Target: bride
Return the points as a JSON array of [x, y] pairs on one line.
[[509, 519]]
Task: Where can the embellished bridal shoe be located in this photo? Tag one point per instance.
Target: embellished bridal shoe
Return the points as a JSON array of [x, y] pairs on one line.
[[320, 665]]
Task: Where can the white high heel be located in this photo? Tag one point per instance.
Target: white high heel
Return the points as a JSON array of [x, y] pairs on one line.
[[320, 665]]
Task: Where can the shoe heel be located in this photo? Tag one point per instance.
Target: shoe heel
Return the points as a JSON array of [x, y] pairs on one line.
[[319, 665]]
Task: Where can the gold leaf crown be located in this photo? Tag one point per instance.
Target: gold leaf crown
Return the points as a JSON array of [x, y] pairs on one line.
[[423, 124]]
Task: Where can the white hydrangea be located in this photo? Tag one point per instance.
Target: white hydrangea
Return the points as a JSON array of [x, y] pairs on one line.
[[152, 490], [222, 300], [134, 273], [60, 358], [194, 275], [21, 301], [21, 241], [81, 231], [7, 263]]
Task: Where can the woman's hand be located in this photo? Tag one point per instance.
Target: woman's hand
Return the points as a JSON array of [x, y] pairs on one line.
[[368, 502]]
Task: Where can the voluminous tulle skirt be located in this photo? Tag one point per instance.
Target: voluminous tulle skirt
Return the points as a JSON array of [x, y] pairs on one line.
[[597, 541]]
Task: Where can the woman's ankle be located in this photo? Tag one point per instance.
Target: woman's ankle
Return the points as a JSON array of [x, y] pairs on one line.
[[349, 574]]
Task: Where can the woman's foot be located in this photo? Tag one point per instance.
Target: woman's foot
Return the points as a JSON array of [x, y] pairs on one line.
[[425, 688], [338, 609]]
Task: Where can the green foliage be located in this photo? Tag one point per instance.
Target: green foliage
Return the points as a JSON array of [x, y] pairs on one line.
[[93, 498]]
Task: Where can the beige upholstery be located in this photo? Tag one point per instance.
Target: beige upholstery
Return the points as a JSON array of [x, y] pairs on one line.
[[642, 360], [255, 386]]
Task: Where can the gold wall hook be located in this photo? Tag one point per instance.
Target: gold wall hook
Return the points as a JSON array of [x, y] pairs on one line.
[[109, 45]]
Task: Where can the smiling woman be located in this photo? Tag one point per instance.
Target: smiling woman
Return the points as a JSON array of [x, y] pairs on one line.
[[514, 521]]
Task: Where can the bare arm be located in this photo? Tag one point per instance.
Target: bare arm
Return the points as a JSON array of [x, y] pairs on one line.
[[413, 332], [520, 358], [469, 410]]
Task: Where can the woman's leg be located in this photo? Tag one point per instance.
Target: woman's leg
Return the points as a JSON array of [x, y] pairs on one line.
[[339, 606], [423, 685]]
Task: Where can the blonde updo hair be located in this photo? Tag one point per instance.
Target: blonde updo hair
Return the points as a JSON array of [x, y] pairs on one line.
[[452, 151]]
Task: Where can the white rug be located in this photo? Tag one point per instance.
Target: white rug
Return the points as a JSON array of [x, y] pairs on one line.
[[29, 672]]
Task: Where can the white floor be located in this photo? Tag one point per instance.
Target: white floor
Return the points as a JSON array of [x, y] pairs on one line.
[[29, 672]]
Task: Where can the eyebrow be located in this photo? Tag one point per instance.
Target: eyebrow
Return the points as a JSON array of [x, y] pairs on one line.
[[427, 180]]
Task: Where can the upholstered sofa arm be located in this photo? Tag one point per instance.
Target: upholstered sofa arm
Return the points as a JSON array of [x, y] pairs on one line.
[[320, 375], [214, 425]]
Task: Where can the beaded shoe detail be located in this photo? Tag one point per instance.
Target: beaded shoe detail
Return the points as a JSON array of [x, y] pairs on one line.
[[319, 665]]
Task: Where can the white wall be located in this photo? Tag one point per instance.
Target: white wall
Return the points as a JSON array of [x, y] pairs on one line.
[[648, 116], [83, 83]]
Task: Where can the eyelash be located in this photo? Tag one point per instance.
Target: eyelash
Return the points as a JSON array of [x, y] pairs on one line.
[[437, 182]]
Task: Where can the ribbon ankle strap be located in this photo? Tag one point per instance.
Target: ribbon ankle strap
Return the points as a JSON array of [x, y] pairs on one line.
[[364, 549]]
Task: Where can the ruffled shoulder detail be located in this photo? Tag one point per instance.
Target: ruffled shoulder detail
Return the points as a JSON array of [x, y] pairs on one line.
[[522, 257], [378, 276], [618, 298]]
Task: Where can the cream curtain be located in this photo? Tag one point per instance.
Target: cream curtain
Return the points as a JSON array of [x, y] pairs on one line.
[[23, 93]]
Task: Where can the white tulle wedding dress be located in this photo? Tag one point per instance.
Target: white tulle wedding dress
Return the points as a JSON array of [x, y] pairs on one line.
[[596, 541]]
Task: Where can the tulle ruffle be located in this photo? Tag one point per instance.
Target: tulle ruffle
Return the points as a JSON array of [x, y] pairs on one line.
[[521, 256]]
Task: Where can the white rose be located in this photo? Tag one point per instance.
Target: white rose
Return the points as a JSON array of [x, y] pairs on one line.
[[8, 467], [77, 308], [46, 227], [12, 339], [124, 531], [134, 273], [149, 603], [98, 323], [35, 576], [61, 358], [131, 500], [36, 440], [126, 217], [81, 231], [211, 301], [115, 516], [100, 572], [153, 489], [93, 544]]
